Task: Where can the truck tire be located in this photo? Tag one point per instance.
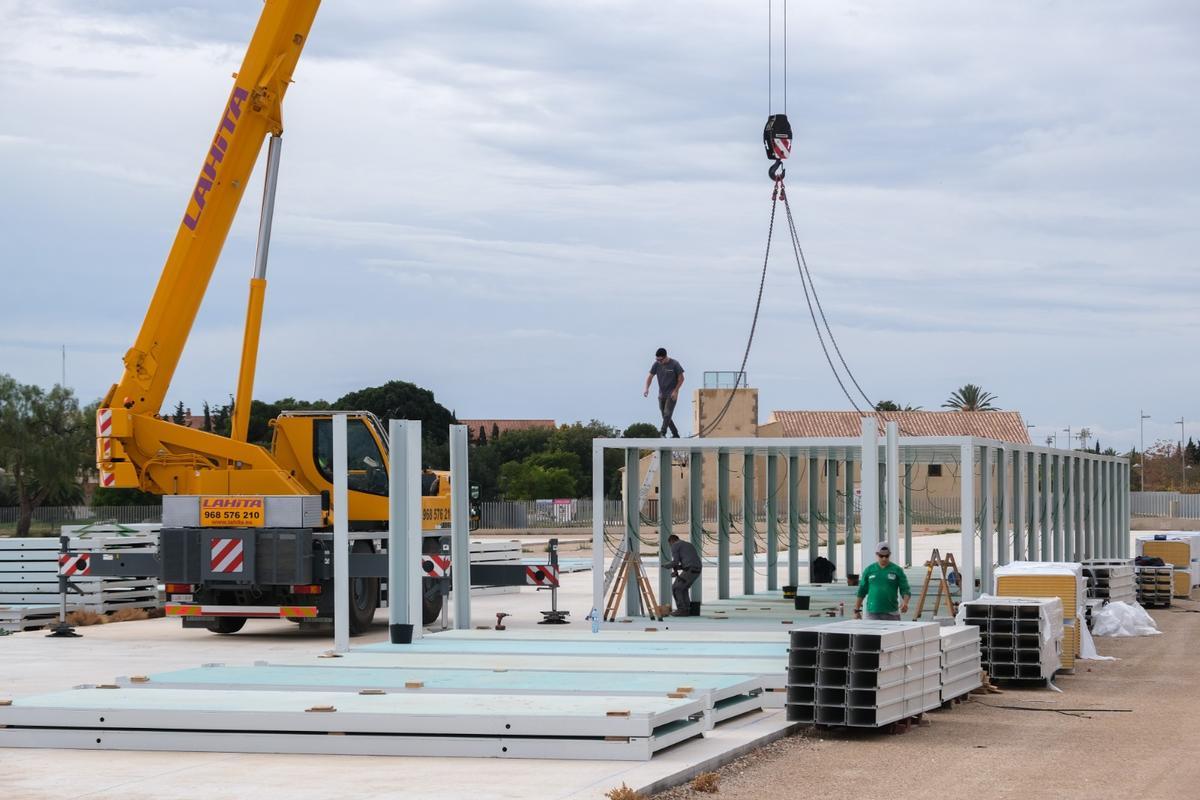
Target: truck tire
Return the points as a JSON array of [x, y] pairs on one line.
[[227, 624], [431, 607], [364, 595]]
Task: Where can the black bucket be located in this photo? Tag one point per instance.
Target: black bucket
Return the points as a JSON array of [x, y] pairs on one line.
[[802, 602], [694, 609], [401, 634], [789, 592]]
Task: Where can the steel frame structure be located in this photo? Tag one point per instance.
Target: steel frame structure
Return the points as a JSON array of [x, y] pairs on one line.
[[1018, 502]]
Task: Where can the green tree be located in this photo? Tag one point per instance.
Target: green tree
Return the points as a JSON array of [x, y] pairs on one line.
[[45, 445], [208, 420], [641, 430], [179, 416], [889, 405], [970, 398], [124, 497], [531, 481]]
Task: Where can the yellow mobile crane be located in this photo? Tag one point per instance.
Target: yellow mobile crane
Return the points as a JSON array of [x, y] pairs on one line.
[[245, 527]]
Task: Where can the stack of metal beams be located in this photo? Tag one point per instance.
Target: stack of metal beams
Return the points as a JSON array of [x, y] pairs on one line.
[[1021, 638], [863, 674], [1154, 585], [1110, 579], [961, 665]]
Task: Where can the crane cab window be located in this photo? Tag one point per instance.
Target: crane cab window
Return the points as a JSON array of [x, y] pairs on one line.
[[367, 469]]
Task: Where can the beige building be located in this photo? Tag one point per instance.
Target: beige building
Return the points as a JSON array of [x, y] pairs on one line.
[[727, 413]]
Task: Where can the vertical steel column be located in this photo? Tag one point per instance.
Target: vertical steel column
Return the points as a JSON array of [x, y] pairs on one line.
[[724, 518], [814, 528], [1056, 506], [1127, 525], [341, 538], [1018, 506], [772, 520], [749, 515], [1085, 507], [1094, 550], [870, 491], [908, 515], [1110, 486], [460, 527], [666, 519], [793, 518], [404, 528], [1067, 499], [831, 476], [1077, 501], [1045, 548], [848, 562], [967, 520], [892, 454], [1031, 490], [696, 512], [1003, 501], [986, 519], [598, 544], [633, 524]]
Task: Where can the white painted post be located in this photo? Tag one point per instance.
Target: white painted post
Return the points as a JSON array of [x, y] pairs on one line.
[[597, 528], [869, 481], [404, 490], [460, 528], [341, 539], [967, 517], [892, 475], [413, 524]]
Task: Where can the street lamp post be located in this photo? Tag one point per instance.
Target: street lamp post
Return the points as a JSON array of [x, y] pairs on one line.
[[1067, 430], [1182, 461], [1142, 417]]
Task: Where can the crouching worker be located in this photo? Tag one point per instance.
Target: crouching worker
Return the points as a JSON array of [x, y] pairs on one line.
[[685, 566]]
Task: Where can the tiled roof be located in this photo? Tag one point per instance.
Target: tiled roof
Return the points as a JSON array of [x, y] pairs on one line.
[[1006, 426], [505, 425]]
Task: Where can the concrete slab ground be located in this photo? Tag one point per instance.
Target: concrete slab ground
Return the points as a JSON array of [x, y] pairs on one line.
[[31, 664]]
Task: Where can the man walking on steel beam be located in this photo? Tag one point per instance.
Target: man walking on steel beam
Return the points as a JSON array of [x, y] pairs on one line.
[[670, 380]]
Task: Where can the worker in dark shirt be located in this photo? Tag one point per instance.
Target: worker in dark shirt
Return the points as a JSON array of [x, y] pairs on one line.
[[686, 565], [670, 380]]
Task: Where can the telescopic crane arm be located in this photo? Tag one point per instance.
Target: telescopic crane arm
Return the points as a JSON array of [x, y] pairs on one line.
[[131, 441]]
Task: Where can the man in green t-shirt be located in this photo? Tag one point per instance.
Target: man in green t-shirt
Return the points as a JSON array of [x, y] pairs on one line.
[[880, 584]]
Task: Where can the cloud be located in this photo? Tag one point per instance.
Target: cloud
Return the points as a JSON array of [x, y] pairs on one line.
[[1003, 194]]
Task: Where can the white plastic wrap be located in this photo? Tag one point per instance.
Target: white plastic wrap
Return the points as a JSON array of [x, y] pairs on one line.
[[1123, 619]]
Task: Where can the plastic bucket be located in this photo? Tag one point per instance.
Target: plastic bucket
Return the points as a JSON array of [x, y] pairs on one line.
[[400, 634], [802, 602], [789, 592]]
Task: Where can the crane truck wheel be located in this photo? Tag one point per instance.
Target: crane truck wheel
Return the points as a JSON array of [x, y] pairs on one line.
[[431, 606], [364, 595], [227, 624]]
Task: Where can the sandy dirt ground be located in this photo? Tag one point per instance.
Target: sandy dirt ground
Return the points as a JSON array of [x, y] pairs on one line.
[[980, 750]]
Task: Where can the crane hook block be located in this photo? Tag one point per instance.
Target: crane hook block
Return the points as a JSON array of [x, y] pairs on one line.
[[777, 137]]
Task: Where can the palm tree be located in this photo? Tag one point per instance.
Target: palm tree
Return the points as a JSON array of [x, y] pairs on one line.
[[970, 398]]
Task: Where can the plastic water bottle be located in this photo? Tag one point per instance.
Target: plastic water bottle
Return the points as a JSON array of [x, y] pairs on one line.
[[595, 618]]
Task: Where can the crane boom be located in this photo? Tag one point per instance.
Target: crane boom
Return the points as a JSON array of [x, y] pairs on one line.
[[127, 437]]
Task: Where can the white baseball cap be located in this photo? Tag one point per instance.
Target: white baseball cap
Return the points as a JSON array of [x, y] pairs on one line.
[[882, 549]]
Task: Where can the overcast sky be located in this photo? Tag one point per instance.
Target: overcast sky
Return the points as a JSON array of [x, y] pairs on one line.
[[514, 203]]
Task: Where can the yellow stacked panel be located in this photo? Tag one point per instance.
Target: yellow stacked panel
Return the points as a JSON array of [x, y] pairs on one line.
[[1183, 583], [1176, 553], [1064, 587]]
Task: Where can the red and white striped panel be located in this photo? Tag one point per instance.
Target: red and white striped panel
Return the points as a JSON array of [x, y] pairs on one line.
[[225, 555], [436, 566], [543, 575], [108, 478], [69, 564], [781, 146], [105, 449], [104, 422]]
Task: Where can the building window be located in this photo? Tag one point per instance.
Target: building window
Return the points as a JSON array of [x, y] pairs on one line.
[[935, 470]]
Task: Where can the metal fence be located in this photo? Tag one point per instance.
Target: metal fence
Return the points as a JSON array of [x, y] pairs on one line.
[[1165, 504], [532, 514], [48, 519]]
